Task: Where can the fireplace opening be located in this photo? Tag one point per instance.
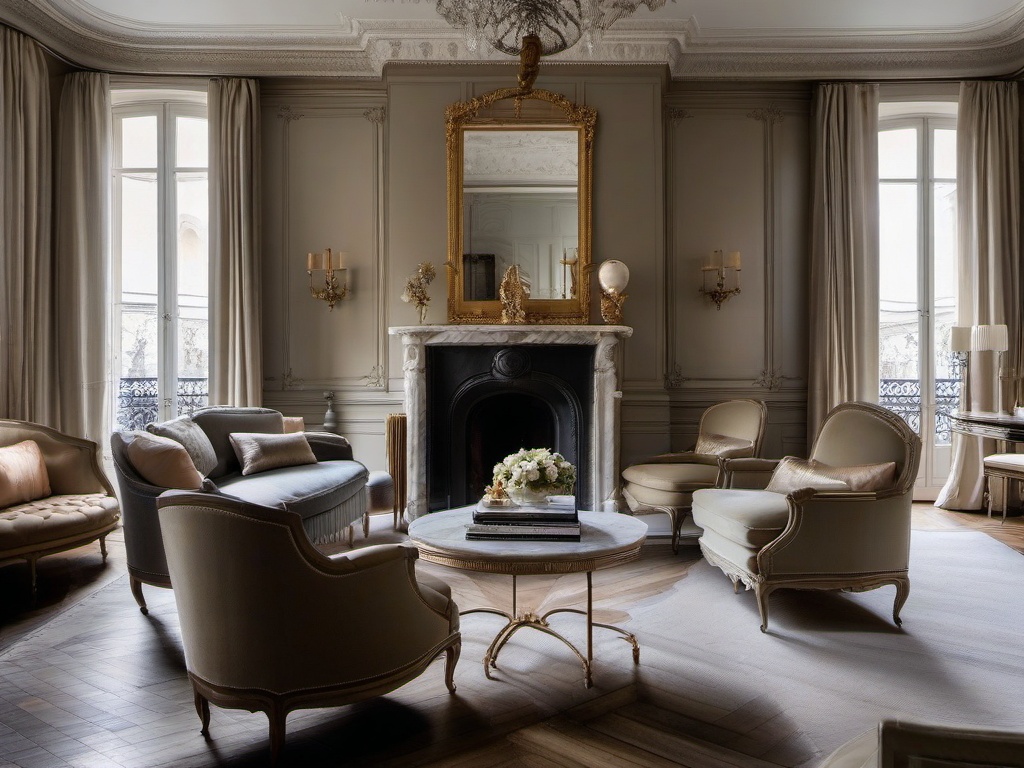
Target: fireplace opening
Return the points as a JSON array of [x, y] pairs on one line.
[[525, 421], [485, 402]]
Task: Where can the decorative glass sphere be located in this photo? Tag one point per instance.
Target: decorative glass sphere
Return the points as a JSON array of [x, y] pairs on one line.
[[613, 275]]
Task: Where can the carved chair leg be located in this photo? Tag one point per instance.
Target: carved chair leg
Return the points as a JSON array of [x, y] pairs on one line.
[[902, 593], [277, 716], [136, 586], [761, 593], [103, 547], [677, 523], [986, 494], [203, 710], [451, 659], [735, 585]]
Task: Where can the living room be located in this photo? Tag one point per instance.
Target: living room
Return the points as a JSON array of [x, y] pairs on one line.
[[704, 141]]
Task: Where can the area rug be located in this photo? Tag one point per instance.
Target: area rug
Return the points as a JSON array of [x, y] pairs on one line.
[[99, 684], [833, 664]]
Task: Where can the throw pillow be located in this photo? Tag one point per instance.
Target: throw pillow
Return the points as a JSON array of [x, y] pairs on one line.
[[190, 435], [792, 474], [23, 475], [162, 461], [260, 451], [716, 445], [294, 423]]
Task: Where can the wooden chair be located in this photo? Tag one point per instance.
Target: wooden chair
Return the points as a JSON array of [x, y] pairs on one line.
[[1008, 466]]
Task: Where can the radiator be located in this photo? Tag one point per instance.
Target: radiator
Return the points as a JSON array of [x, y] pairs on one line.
[[395, 438]]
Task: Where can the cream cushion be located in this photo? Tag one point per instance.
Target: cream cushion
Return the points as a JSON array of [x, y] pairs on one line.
[[718, 445], [792, 474], [53, 519], [1011, 462], [749, 518], [260, 451], [672, 478], [192, 436], [162, 461], [23, 475], [293, 423]]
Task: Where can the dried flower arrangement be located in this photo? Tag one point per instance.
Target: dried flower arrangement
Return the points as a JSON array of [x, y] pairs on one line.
[[416, 288]]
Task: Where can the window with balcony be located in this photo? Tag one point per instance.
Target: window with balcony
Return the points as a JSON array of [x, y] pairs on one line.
[[160, 235]]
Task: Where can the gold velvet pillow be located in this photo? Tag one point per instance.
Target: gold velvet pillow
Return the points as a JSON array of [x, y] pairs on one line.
[[162, 461], [260, 451], [23, 475], [717, 445], [792, 474]]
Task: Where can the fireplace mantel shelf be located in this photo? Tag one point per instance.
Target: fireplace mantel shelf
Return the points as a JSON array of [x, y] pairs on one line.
[[604, 432]]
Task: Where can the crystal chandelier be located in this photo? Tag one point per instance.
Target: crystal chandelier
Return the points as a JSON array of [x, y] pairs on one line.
[[559, 24]]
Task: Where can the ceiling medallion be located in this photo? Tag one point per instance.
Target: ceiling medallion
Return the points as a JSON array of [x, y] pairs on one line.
[[559, 24]]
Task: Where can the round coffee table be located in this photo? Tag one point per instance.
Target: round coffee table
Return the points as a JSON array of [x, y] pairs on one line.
[[606, 539]]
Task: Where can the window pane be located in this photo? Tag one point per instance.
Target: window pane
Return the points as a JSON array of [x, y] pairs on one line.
[[139, 237], [898, 316], [191, 142], [947, 367], [137, 383], [944, 153], [138, 142], [897, 153], [193, 291]]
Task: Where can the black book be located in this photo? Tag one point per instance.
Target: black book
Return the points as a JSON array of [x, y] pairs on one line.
[[496, 532]]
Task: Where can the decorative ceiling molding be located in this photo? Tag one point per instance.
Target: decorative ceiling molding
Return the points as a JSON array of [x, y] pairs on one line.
[[361, 48]]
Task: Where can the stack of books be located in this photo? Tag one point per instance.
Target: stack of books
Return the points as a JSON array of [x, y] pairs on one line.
[[555, 521]]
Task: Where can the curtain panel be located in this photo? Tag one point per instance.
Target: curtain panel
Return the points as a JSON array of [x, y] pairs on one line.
[[843, 311], [27, 352], [84, 291], [989, 271], [236, 358]]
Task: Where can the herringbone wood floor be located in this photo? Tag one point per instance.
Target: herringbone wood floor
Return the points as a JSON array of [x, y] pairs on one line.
[[545, 718]]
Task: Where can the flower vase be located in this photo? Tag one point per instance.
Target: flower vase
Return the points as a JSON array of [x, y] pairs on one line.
[[527, 497], [422, 309]]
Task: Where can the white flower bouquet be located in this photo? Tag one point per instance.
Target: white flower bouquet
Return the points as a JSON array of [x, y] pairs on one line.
[[535, 472]]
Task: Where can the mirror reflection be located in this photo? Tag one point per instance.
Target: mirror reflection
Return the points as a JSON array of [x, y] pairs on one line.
[[520, 206]]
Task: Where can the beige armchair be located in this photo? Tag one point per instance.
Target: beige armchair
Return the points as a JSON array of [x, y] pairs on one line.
[[818, 526], [270, 624], [901, 744], [665, 483]]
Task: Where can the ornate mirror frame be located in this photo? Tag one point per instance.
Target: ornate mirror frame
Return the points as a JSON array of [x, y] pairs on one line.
[[544, 110]]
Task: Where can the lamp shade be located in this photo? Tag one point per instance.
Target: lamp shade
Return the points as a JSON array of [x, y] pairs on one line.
[[960, 338], [613, 275], [989, 338]]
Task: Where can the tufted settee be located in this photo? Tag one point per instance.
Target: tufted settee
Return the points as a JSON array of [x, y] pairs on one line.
[[79, 508], [328, 495]]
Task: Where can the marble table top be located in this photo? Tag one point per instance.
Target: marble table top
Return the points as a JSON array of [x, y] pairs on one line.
[[606, 539]]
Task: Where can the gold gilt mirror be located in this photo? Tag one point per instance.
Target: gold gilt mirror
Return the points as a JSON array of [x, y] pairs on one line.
[[519, 195]]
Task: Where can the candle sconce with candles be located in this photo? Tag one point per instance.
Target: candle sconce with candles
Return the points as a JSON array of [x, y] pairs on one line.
[[335, 277], [720, 265]]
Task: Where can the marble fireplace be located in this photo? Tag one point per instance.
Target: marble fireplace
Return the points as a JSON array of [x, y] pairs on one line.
[[474, 393]]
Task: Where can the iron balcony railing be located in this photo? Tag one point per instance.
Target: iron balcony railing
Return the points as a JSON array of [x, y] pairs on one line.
[[138, 403], [903, 396]]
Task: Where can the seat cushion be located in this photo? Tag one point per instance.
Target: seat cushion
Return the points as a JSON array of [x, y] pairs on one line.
[[749, 518], [27, 526], [1009, 462], [307, 489], [673, 478]]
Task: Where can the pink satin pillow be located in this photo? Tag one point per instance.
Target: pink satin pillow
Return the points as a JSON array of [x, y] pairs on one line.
[[23, 475]]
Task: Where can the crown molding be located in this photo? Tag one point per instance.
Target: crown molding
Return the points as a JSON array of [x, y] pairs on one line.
[[361, 48]]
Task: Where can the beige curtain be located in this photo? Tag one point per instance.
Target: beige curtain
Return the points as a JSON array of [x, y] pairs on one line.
[[27, 353], [236, 361], [844, 250], [83, 286], [989, 291]]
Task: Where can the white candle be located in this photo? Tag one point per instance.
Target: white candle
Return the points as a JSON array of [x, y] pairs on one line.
[[733, 260], [330, 260]]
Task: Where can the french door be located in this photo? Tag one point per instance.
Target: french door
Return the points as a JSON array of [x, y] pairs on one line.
[[918, 376]]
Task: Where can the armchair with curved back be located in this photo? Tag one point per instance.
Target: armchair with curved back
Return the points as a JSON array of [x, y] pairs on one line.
[[269, 623], [818, 538], [665, 483]]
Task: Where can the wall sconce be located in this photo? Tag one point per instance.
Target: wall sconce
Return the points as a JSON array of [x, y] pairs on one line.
[[720, 265], [335, 277], [613, 277]]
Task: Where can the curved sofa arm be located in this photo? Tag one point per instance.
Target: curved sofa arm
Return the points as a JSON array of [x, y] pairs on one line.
[[683, 457], [328, 446], [748, 473], [72, 463], [835, 533]]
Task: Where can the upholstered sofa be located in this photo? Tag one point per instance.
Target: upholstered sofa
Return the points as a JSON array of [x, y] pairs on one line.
[[53, 494], [328, 491]]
